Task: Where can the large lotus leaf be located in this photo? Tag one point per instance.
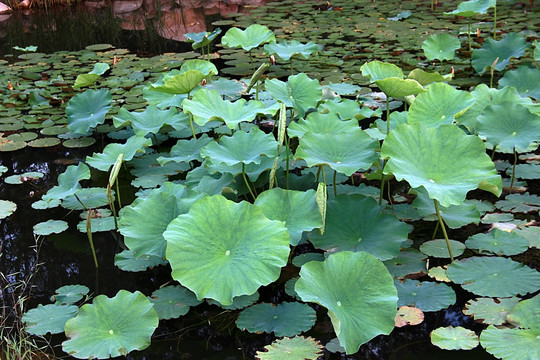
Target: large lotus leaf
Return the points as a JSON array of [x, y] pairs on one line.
[[494, 276], [87, 110], [439, 105], [416, 153], [50, 318], [489, 310], [286, 49], [297, 209], [358, 292], [253, 36], [296, 348], [186, 150], [354, 222], [148, 121], [472, 7], [426, 296], [252, 170], [171, 302], [377, 70], [347, 109], [180, 83], [525, 79], [455, 216], [425, 78], [143, 222], [241, 147], [396, 87], [204, 66], [509, 125], [318, 123], [299, 92], [221, 249], [207, 105], [344, 152], [512, 46], [68, 182], [103, 161], [111, 327], [454, 338], [498, 242], [441, 46], [285, 319]]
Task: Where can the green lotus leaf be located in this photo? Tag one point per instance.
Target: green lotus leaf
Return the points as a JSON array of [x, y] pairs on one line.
[[143, 222], [531, 233], [526, 171], [252, 170], [186, 150], [68, 183], [536, 45], [201, 39], [347, 109], [31, 48], [87, 110], [454, 338], [127, 261], [472, 7], [494, 276], [353, 223], [241, 147], [50, 226], [207, 105], [498, 242], [103, 161], [509, 125], [221, 249], [179, 82], [228, 88], [301, 259], [344, 88], [297, 209], [426, 296], [98, 224], [344, 152], [203, 66], [239, 302], [490, 311], [402, 15], [162, 100], [253, 36], [171, 302], [425, 78], [7, 208], [438, 248], [286, 49], [3, 169], [525, 79], [416, 152], [377, 70], [285, 319], [296, 348], [358, 292], [455, 216], [111, 327], [319, 123], [439, 105], [92, 198], [441, 46], [49, 318], [148, 121], [69, 294], [396, 87], [88, 79], [409, 261], [511, 46], [299, 92], [517, 203]]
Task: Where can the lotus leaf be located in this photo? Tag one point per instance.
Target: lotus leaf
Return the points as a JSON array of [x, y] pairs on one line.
[[301, 259], [512, 46], [441, 46], [407, 315], [207, 105], [127, 261], [416, 152], [50, 227], [348, 109], [426, 296], [519, 203], [498, 242], [297, 209], [396, 87], [285, 319], [402, 15], [48, 319], [229, 88], [473, 7], [179, 83], [148, 121], [205, 67], [319, 123], [221, 249], [361, 307], [103, 161], [69, 294], [525, 79], [111, 327], [296, 348], [425, 78], [490, 311], [509, 126], [439, 249], [526, 171], [344, 88], [201, 39], [248, 39], [98, 224], [88, 79], [299, 92], [186, 150], [171, 302], [454, 338], [239, 302], [91, 198], [286, 49], [377, 70], [7, 208], [494, 276], [441, 104], [24, 177], [344, 152], [409, 261], [87, 110], [531, 233]]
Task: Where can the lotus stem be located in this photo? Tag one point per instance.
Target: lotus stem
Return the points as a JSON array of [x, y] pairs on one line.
[[469, 35], [495, 21], [387, 115], [352, 179], [118, 195], [322, 171], [435, 231], [251, 60], [443, 229], [247, 182], [191, 125], [382, 185], [89, 234], [492, 72], [290, 63], [80, 202], [335, 188], [493, 152], [113, 210], [513, 171]]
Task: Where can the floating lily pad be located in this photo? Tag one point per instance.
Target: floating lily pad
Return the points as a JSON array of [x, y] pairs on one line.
[[519, 203], [49, 318], [454, 338], [438, 248], [44, 142], [171, 302], [498, 242], [490, 311], [426, 296], [127, 261], [8, 145], [50, 227], [69, 294], [7, 208], [92, 198], [24, 177], [296, 348], [525, 79], [98, 224], [526, 171], [79, 143], [239, 302], [407, 315], [408, 262]]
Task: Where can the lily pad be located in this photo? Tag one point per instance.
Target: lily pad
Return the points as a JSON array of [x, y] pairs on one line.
[[87, 110], [248, 39], [24, 177], [319, 123], [103, 161], [377, 70], [69, 294], [498, 242], [426, 296], [50, 227], [438, 248], [407, 315], [148, 121], [296, 348], [286, 49], [525, 79], [49, 318], [408, 262], [127, 261], [7, 208], [454, 338], [171, 302], [489, 310], [511, 46]]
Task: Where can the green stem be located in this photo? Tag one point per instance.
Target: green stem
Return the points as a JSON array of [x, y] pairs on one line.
[[247, 182], [290, 62], [495, 21], [118, 194], [387, 115], [443, 229], [435, 231], [352, 179], [191, 125], [469, 35], [251, 60], [513, 171], [80, 202], [493, 153], [335, 188], [382, 185], [89, 233], [322, 171]]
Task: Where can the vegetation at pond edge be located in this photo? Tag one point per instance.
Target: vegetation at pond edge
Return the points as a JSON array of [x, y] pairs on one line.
[[346, 179]]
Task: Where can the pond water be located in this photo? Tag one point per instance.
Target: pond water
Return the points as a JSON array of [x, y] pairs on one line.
[[146, 29]]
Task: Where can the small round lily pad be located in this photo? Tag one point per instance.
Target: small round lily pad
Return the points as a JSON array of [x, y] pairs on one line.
[[49, 318], [69, 294], [408, 315], [50, 226], [454, 338], [7, 208], [79, 143], [438, 248], [44, 142]]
